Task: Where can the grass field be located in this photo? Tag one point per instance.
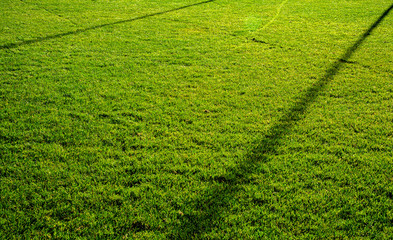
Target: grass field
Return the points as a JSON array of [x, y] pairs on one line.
[[182, 119]]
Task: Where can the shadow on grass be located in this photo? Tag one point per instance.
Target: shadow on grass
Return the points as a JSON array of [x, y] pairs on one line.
[[210, 206], [41, 39]]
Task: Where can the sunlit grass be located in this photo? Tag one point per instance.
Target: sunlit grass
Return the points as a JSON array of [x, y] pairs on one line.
[[115, 125]]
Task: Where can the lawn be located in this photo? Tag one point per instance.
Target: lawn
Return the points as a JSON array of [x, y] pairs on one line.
[[182, 119]]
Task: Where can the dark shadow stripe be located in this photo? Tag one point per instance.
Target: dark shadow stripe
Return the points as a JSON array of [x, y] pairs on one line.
[[41, 39], [297, 111]]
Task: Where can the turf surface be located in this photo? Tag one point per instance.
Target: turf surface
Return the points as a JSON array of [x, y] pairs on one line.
[[179, 119]]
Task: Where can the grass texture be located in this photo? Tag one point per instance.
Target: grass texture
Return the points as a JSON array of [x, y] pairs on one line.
[[179, 119]]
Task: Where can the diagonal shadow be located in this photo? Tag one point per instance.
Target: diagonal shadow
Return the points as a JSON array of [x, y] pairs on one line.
[[210, 207], [41, 39], [297, 111]]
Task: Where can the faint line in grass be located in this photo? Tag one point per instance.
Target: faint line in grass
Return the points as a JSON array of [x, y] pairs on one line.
[[275, 17], [51, 12]]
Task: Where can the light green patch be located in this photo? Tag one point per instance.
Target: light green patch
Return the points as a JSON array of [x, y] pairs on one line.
[[253, 23]]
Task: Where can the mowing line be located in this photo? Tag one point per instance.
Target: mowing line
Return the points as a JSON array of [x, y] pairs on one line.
[[275, 17], [50, 11]]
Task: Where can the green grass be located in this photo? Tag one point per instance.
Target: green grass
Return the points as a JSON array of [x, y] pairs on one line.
[[175, 120]]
